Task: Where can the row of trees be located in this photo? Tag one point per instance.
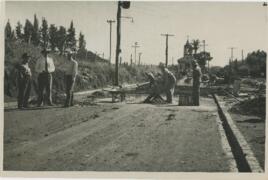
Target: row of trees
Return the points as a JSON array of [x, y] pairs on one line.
[[50, 36], [254, 65]]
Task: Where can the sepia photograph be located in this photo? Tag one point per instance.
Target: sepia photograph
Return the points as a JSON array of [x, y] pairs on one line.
[[134, 86]]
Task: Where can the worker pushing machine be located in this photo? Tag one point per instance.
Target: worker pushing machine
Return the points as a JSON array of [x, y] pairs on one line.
[[164, 85], [196, 83], [169, 83], [155, 89]]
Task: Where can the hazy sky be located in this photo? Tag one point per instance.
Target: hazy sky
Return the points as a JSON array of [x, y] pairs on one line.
[[221, 24]]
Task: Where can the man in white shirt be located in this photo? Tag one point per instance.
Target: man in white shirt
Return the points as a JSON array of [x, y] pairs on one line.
[[45, 67], [71, 70]]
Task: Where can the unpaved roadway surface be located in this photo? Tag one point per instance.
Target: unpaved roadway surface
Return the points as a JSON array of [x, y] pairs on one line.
[[114, 137]]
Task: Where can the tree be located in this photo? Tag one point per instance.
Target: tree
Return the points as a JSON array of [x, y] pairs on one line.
[[257, 63], [53, 36], [70, 39], [28, 31], [35, 35], [44, 34], [202, 58], [18, 31], [195, 45], [61, 38], [82, 42], [82, 52], [8, 31]]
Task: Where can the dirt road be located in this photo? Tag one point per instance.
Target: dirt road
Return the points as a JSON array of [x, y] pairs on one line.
[[115, 137]]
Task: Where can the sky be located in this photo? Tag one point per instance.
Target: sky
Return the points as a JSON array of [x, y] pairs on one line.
[[221, 24]]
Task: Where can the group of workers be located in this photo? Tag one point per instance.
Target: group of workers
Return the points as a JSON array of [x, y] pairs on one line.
[[166, 84], [45, 67]]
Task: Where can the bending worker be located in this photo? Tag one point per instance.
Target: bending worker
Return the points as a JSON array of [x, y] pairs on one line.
[[45, 67], [196, 83], [71, 70], [169, 83]]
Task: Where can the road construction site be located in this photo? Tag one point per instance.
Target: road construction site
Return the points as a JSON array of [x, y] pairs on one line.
[[98, 135]]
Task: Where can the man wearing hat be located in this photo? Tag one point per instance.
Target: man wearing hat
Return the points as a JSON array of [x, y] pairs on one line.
[[45, 67], [169, 83], [71, 70], [24, 82], [196, 83]]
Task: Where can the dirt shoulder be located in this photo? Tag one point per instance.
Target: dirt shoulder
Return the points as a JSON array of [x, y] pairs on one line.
[[252, 126]]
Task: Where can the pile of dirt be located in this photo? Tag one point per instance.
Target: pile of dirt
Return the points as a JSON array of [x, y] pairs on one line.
[[255, 106]]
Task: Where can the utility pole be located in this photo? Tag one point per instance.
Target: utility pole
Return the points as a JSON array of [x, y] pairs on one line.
[[167, 35], [204, 50], [232, 53], [120, 60], [204, 45], [125, 5], [110, 53], [131, 61], [242, 56], [135, 46], [140, 58]]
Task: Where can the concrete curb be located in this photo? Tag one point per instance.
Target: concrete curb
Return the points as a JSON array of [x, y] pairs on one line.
[[245, 158], [226, 146]]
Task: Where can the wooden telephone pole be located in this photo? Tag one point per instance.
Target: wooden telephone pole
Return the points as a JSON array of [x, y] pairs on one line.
[[135, 46], [125, 5], [110, 53], [167, 35]]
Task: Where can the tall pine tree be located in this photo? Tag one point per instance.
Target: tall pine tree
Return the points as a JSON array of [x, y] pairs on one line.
[[61, 38], [82, 52], [8, 31], [18, 31], [81, 42], [70, 39], [36, 35], [53, 36], [28, 31], [44, 34]]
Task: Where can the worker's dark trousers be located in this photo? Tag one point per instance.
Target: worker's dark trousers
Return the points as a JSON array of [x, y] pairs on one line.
[[45, 83], [195, 95], [24, 89], [69, 82]]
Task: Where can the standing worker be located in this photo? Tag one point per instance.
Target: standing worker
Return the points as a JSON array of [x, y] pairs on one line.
[[196, 83], [24, 82], [45, 67], [169, 83], [71, 70]]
